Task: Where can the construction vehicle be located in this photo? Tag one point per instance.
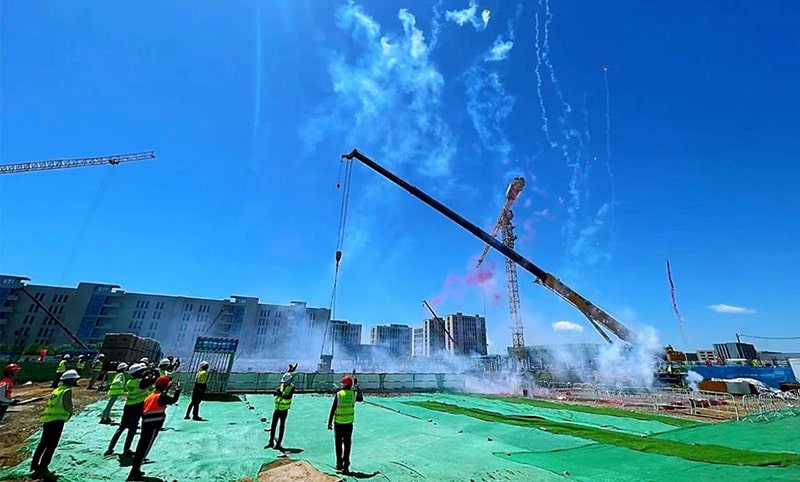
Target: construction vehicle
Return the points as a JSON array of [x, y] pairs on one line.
[[599, 318], [79, 162], [506, 226]]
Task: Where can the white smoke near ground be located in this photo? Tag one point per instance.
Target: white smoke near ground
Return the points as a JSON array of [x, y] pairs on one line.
[[693, 379]]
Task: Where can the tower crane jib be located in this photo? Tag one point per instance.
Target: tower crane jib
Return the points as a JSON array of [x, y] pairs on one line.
[[78, 162]]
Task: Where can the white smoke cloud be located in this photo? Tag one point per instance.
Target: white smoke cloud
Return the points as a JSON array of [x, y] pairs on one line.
[[469, 15], [731, 310], [387, 96], [500, 50], [567, 326]]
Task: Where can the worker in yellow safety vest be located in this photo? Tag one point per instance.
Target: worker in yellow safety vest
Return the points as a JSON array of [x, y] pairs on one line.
[[60, 370], [283, 402], [200, 387], [137, 388], [115, 390], [341, 419], [56, 413], [97, 370]]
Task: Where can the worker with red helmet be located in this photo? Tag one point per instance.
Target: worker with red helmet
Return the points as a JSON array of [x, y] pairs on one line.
[[341, 420], [7, 387], [155, 413]]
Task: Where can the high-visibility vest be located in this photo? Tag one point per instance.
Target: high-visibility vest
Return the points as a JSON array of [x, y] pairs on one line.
[[62, 366], [54, 410], [345, 407], [164, 373], [117, 386], [135, 394], [97, 366], [153, 412], [201, 377], [80, 366], [282, 401]]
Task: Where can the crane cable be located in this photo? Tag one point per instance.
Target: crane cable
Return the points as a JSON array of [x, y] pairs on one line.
[[345, 186]]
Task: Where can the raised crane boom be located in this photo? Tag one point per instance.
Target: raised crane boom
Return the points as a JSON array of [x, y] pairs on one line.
[[596, 315], [505, 225], [79, 162]]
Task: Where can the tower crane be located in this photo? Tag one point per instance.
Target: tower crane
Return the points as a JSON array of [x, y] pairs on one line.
[[506, 227], [599, 318], [78, 162]]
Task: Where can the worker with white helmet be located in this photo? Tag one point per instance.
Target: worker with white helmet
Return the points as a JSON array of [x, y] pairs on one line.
[[137, 388], [97, 370], [56, 413], [200, 387], [60, 370], [283, 402], [165, 368], [115, 390]]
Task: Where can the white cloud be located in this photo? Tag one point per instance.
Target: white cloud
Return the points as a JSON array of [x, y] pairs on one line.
[[499, 50], [730, 309], [386, 96], [567, 326], [469, 14]]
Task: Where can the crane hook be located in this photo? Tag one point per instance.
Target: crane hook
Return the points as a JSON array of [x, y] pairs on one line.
[[338, 256]]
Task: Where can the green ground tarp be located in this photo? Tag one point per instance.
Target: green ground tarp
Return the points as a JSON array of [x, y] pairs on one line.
[[394, 441]]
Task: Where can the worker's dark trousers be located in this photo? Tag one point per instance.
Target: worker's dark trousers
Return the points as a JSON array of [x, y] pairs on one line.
[[146, 441], [95, 375], [343, 433], [56, 380], [278, 416], [3, 410], [130, 420], [197, 397], [51, 435]]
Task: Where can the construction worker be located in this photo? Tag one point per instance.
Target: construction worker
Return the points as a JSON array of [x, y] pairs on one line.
[[60, 370], [155, 413], [97, 370], [81, 365], [115, 389], [341, 419], [7, 387], [200, 387], [137, 388], [165, 368], [56, 413], [283, 402]]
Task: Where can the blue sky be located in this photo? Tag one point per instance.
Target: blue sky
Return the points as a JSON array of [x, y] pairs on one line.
[[249, 106]]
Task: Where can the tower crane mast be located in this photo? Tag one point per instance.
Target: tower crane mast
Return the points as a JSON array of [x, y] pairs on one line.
[[506, 227], [78, 162]]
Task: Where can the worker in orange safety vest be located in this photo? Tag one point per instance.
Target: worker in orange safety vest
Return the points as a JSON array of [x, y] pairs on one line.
[[155, 413]]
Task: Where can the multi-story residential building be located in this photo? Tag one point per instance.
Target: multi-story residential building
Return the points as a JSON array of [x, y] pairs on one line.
[[395, 339], [92, 309], [706, 355], [467, 336], [345, 334]]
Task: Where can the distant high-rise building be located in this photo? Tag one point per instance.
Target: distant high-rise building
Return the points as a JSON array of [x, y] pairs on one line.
[[395, 338], [734, 350], [418, 342], [467, 336], [93, 309], [706, 355], [345, 333]]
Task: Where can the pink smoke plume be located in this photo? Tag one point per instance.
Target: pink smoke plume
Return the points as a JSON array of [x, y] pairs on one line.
[[457, 286], [528, 231]]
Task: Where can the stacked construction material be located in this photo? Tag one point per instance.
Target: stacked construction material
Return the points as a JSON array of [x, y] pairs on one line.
[[127, 347]]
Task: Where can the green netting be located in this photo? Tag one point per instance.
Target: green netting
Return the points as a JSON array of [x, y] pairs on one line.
[[563, 414], [603, 463], [775, 435], [386, 444]]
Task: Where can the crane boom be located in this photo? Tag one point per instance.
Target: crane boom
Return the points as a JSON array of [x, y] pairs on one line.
[[596, 315], [78, 162]]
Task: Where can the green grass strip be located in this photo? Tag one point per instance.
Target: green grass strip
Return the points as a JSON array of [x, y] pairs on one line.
[[713, 454], [611, 411]]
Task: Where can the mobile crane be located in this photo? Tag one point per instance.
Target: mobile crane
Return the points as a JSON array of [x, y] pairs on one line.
[[506, 226], [599, 318]]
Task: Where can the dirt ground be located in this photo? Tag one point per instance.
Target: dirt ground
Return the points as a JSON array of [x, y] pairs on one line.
[[22, 421], [292, 471]]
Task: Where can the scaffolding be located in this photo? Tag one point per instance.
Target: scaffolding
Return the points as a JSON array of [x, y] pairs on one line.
[[220, 354]]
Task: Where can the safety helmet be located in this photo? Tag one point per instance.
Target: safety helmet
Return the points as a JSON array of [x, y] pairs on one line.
[[287, 377], [136, 368], [70, 375], [11, 369], [144, 360], [347, 380], [162, 383], [164, 363], [101, 356], [67, 357], [204, 364], [122, 367]]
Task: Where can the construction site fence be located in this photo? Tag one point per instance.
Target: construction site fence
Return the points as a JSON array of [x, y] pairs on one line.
[[328, 382], [699, 403], [771, 405]]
